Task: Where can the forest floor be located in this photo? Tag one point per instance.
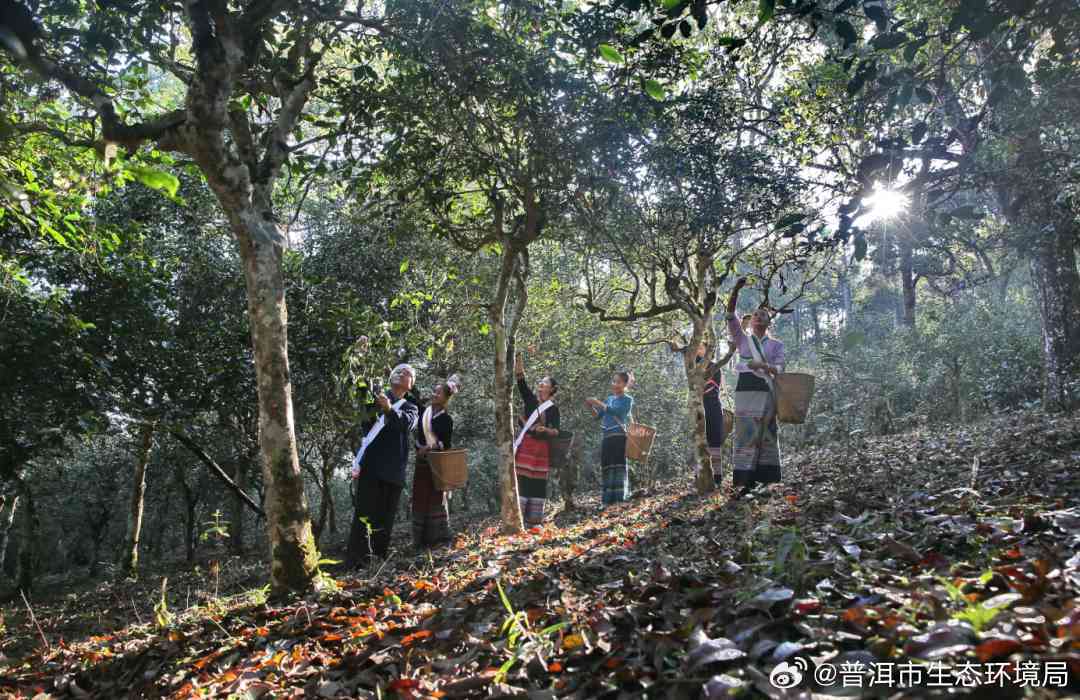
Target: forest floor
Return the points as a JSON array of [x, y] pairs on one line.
[[910, 565]]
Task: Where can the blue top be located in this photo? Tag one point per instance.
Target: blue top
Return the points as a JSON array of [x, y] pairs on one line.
[[615, 406]]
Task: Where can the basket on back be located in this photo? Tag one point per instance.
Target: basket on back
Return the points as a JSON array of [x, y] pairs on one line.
[[449, 469], [560, 449], [639, 441], [793, 393]]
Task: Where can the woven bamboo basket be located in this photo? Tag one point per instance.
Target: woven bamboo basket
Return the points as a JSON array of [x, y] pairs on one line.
[[793, 393], [449, 469], [639, 441], [560, 449]]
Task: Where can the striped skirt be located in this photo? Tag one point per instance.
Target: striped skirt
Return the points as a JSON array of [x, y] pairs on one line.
[[532, 464], [616, 475], [430, 511], [757, 444]]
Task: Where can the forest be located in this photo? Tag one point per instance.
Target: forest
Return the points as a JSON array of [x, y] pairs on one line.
[[750, 330]]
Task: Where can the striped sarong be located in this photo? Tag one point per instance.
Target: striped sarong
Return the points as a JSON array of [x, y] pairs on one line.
[[615, 483], [532, 464], [757, 448], [430, 511]]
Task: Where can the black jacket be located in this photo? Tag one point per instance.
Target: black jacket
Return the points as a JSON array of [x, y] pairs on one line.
[[387, 457], [550, 416]]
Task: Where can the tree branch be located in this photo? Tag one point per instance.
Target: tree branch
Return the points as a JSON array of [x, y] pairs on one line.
[[216, 469]]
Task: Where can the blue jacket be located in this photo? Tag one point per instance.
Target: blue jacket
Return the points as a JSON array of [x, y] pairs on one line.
[[387, 457], [615, 414]]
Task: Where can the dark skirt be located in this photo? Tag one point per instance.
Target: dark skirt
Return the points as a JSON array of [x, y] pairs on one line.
[[714, 421], [430, 508], [616, 476]]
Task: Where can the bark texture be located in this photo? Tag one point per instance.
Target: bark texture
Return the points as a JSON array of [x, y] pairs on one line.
[[7, 520], [129, 563]]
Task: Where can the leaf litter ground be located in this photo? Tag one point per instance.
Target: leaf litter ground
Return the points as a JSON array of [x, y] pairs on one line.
[[948, 548]]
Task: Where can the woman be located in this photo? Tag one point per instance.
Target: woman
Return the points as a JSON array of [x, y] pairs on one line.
[[715, 435], [532, 453], [614, 415], [430, 511], [761, 357]]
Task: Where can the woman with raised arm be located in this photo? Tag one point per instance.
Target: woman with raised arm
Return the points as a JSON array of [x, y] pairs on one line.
[[532, 448], [756, 434], [430, 507]]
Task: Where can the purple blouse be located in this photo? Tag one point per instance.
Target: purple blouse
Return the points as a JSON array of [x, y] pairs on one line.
[[774, 349]]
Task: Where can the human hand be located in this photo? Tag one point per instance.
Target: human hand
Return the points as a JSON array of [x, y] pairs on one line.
[[382, 403]]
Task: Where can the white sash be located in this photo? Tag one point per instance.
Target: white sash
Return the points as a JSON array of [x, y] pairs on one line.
[[370, 438], [429, 434], [757, 353], [532, 419]]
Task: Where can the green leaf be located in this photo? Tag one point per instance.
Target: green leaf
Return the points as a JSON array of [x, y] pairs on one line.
[[892, 40], [731, 42], [156, 179], [671, 4], [789, 220], [404, 267], [876, 11], [610, 54], [655, 90], [846, 32], [503, 598], [766, 10]]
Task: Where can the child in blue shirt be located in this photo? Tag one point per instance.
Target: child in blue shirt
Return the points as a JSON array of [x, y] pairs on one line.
[[614, 414]]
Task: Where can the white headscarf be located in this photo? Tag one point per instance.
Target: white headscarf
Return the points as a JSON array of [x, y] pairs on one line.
[[399, 371]]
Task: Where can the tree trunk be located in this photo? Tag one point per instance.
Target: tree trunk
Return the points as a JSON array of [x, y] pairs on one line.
[[695, 408], [326, 498], [907, 280], [191, 500], [237, 506], [293, 555], [6, 521], [27, 540], [1057, 286], [955, 370], [98, 527], [129, 561], [510, 507], [816, 324]]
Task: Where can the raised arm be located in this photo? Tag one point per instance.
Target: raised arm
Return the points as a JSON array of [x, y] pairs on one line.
[[734, 326], [523, 387]]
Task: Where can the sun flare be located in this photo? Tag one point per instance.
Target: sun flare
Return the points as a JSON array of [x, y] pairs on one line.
[[884, 204]]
